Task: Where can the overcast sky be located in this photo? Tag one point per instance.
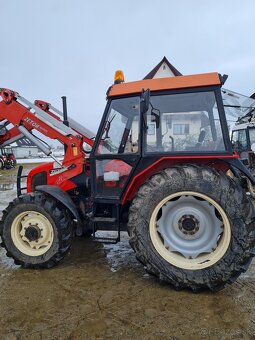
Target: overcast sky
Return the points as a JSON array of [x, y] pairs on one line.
[[51, 48]]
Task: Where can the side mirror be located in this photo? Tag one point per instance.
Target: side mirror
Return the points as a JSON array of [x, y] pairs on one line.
[[155, 113], [145, 101]]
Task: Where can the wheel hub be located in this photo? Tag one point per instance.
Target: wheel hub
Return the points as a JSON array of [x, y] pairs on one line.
[[33, 233], [188, 224]]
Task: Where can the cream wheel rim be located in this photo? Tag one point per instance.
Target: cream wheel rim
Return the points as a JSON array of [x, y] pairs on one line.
[[32, 233], [190, 230]]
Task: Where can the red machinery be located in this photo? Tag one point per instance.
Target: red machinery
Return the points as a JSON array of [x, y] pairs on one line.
[[25, 117], [159, 168], [7, 158]]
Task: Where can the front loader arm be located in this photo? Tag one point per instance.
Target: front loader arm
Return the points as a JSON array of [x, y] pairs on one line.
[[88, 136], [26, 116]]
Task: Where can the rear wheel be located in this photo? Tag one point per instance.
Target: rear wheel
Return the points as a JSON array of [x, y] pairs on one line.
[[1, 164], [36, 231], [190, 230], [192, 227]]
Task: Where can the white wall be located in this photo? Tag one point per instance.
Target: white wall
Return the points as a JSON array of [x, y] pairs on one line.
[[25, 152], [164, 71]]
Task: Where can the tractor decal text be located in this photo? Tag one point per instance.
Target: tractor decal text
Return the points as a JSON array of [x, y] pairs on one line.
[[34, 124]]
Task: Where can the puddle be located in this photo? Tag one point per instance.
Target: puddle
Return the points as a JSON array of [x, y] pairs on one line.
[[8, 186], [101, 292], [120, 256]]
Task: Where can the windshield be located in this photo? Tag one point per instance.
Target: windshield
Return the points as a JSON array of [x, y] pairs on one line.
[[238, 108], [121, 128], [186, 122]]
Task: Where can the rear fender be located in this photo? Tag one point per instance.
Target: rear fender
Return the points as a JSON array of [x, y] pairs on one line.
[[220, 163]]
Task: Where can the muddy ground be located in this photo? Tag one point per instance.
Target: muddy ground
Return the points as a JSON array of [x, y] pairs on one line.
[[101, 292]]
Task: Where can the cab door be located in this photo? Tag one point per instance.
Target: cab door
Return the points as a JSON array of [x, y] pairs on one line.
[[117, 149]]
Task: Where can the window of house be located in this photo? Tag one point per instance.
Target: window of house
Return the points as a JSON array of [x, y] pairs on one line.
[[151, 129], [181, 129], [169, 120]]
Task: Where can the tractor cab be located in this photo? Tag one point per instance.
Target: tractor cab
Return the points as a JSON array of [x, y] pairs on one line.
[[157, 119], [243, 142], [240, 112]]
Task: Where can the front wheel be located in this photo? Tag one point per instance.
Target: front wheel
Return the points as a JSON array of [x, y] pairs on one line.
[[193, 227], [36, 231]]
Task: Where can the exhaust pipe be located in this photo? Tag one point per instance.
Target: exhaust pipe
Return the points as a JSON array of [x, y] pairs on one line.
[[65, 121]]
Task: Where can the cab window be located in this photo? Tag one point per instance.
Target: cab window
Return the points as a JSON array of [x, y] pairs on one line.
[[186, 122], [239, 140], [121, 129]]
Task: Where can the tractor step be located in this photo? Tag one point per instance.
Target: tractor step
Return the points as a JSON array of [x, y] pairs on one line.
[[106, 223], [104, 219], [108, 240]]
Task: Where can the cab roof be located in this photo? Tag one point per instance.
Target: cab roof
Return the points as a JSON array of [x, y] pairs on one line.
[[170, 83], [243, 126]]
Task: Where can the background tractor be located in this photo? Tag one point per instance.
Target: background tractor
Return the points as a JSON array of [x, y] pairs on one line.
[[242, 109], [7, 158], [161, 167]]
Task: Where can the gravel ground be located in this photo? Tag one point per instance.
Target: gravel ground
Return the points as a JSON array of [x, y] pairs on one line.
[[101, 292]]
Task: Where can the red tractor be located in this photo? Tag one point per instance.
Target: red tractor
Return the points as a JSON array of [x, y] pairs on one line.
[[161, 167], [7, 158]]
